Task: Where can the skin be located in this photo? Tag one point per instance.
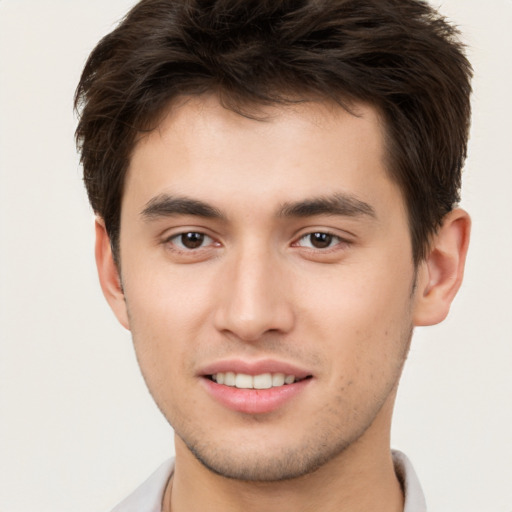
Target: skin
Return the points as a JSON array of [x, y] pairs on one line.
[[259, 286]]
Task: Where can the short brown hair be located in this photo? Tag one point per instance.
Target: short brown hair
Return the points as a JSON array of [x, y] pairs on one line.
[[400, 56]]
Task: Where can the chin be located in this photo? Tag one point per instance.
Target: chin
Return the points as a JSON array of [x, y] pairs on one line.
[[271, 465]]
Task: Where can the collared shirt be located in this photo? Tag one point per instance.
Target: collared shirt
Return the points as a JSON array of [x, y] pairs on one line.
[[148, 497]]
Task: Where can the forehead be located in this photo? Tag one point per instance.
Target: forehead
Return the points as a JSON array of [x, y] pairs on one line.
[[206, 115], [282, 153]]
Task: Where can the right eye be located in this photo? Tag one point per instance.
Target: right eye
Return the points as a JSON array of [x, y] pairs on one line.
[[190, 240]]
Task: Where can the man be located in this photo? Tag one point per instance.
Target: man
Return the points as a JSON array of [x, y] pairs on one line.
[[275, 184]]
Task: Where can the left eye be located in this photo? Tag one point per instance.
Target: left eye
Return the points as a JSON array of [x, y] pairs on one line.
[[190, 240], [319, 240]]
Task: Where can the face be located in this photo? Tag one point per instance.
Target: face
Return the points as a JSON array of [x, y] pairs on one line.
[[268, 280]]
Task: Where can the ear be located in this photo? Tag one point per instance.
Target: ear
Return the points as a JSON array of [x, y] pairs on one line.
[[109, 275], [440, 274]]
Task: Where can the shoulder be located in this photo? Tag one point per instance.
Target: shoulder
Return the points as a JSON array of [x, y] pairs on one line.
[[148, 496], [414, 498]]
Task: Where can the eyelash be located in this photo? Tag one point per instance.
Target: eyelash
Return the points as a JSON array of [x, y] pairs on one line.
[[175, 242], [180, 247], [326, 235]]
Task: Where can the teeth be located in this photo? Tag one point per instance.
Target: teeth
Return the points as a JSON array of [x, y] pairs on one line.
[[290, 379], [229, 379], [244, 381], [278, 379], [263, 381]]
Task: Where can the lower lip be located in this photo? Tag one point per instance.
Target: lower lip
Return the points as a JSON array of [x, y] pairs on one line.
[[254, 401]]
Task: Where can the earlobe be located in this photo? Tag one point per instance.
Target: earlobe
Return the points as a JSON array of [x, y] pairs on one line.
[[440, 274], [109, 275]]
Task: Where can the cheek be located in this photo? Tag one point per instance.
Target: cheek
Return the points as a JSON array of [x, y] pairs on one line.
[[161, 342], [167, 314], [363, 315], [165, 300], [370, 295]]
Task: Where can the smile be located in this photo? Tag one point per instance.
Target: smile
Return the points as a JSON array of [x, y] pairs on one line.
[[246, 381]]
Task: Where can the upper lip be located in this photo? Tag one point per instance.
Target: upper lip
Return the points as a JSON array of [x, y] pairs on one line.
[[254, 367]]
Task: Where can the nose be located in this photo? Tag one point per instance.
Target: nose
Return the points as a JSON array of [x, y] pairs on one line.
[[254, 298]]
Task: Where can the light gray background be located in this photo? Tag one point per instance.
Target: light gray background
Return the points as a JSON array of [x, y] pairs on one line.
[[78, 429]]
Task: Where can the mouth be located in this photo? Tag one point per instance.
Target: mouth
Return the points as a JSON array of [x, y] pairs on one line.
[[260, 381], [256, 387]]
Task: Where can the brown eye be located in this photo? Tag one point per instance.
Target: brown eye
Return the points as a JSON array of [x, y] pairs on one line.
[[190, 240], [319, 240]]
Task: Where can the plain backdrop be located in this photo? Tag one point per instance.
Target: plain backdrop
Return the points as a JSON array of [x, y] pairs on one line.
[[78, 430]]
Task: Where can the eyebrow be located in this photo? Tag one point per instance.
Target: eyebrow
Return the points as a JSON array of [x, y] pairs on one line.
[[165, 205], [342, 204]]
